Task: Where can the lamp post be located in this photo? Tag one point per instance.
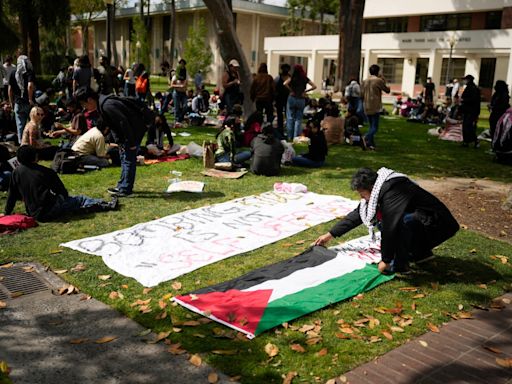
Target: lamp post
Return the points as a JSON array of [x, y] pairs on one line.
[[109, 4], [452, 42], [137, 45]]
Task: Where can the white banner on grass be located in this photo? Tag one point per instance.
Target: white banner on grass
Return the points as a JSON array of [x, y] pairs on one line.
[[163, 249]]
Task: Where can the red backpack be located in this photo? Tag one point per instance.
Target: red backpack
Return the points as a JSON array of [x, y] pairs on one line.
[[14, 223], [141, 84]]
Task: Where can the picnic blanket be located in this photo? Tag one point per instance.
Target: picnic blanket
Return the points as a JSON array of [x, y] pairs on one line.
[[452, 132], [171, 246], [223, 174], [272, 295], [166, 159]]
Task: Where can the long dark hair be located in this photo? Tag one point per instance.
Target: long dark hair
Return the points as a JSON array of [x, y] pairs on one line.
[[298, 73]]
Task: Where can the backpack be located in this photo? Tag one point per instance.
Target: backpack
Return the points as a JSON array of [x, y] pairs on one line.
[[141, 84], [12, 223], [66, 161]]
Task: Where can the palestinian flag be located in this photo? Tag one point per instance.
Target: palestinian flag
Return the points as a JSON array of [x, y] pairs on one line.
[[272, 295]]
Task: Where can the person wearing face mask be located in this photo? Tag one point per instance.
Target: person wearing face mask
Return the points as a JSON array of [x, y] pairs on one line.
[[411, 220]]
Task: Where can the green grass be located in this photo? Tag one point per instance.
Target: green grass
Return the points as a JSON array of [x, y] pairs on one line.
[[463, 262]]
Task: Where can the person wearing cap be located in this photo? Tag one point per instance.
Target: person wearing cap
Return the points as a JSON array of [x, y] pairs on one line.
[[470, 106], [231, 85]]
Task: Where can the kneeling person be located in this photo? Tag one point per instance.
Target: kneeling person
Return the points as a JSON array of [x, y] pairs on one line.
[[92, 147], [43, 193], [411, 220]]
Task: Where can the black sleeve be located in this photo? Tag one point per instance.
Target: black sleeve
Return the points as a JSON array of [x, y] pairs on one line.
[[349, 222], [12, 197], [55, 183]]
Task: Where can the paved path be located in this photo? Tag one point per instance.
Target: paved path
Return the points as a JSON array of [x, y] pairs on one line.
[[36, 330], [455, 355]]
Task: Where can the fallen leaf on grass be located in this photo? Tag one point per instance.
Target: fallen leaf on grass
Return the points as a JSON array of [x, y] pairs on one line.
[[55, 251], [160, 337], [225, 352], [113, 295], [409, 289], [124, 286], [140, 302], [145, 291], [213, 378], [313, 340], [419, 296], [162, 315], [299, 242], [176, 349], [195, 360], [507, 363], [423, 343], [435, 286], [104, 277], [396, 329], [145, 309], [375, 339], [433, 328], [271, 349], [322, 352], [305, 328], [8, 265], [176, 285], [105, 339], [289, 377], [464, 315], [167, 296], [483, 286], [297, 348], [492, 349], [413, 306], [144, 332], [60, 271], [80, 267], [68, 290], [3, 304], [85, 297], [387, 335], [79, 341], [191, 323]]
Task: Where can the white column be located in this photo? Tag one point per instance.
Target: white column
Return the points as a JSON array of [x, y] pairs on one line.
[[473, 66], [435, 62], [509, 70], [409, 75], [315, 67], [273, 63], [500, 72], [369, 59], [253, 62]]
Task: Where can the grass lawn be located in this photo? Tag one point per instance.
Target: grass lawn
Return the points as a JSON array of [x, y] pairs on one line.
[[462, 275]]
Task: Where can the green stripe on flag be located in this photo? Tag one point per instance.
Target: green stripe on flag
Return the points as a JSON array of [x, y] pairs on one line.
[[311, 299]]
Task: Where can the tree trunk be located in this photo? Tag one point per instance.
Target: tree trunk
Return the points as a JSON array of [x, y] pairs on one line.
[[113, 36], [173, 33], [230, 47], [33, 46], [349, 47], [85, 38]]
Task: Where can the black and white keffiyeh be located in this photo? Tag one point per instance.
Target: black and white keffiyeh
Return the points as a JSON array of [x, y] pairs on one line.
[[367, 210], [23, 65]]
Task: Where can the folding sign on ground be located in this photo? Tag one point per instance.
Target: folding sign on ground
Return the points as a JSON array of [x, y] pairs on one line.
[[272, 295], [169, 247]]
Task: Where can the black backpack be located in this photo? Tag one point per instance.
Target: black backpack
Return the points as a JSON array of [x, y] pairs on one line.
[[66, 161]]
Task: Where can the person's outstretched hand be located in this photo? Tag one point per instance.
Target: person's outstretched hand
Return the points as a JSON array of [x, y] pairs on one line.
[[383, 267], [324, 239]]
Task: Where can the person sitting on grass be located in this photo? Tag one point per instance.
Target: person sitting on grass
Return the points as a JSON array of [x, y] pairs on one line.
[[44, 194], [353, 134], [266, 152], [32, 135], [411, 220], [226, 147], [315, 158]]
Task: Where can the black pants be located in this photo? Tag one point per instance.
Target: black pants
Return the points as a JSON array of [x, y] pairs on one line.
[[469, 127]]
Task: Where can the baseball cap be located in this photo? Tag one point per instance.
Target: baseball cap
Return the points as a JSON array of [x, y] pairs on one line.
[[234, 63]]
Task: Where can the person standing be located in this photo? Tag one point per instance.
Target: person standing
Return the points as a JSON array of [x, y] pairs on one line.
[[281, 96], [231, 85], [179, 92], [297, 84], [22, 92], [373, 87], [198, 81], [455, 88], [429, 91], [129, 81], [499, 104], [83, 73], [262, 92], [8, 68], [470, 106], [411, 220]]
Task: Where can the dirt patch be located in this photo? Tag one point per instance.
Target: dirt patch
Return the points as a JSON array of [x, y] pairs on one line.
[[476, 204]]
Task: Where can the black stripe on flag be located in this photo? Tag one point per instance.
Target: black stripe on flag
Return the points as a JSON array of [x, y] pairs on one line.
[[312, 257]]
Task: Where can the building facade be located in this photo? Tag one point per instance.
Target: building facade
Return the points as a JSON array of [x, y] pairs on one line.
[[254, 22], [413, 40]]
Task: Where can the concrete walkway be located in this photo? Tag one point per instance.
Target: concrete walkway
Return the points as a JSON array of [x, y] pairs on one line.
[[456, 354], [36, 330]]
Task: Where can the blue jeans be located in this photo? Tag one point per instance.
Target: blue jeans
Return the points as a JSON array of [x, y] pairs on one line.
[[180, 104], [302, 161], [70, 204], [21, 114], [128, 169], [294, 113], [240, 157], [374, 126]]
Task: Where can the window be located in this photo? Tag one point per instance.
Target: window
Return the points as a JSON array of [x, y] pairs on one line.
[[461, 21], [386, 25], [166, 28], [421, 71], [493, 20], [487, 69], [392, 69], [457, 69]]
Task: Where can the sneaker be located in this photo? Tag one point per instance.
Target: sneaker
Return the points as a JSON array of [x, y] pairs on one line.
[[117, 192], [114, 203], [371, 148]]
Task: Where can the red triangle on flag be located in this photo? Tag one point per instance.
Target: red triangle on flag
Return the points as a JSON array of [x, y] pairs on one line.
[[241, 309]]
